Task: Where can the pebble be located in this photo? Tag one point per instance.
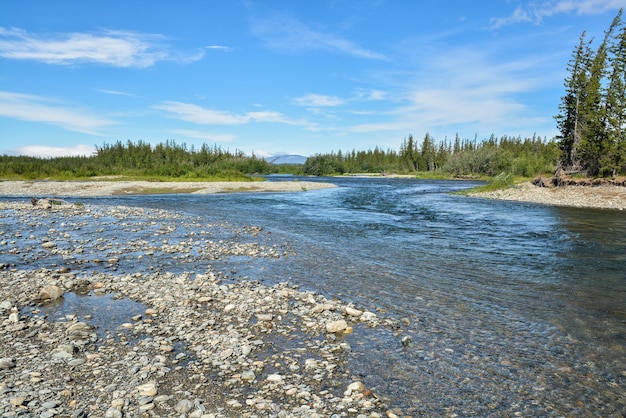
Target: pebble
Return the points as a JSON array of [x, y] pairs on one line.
[[199, 342], [183, 406]]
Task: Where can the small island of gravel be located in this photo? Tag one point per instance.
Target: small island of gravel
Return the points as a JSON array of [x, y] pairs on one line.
[[595, 197], [110, 188]]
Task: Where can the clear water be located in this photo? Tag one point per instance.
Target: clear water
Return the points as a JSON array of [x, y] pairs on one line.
[[510, 307]]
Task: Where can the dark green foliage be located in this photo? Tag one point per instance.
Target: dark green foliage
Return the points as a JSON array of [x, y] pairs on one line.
[[139, 159], [592, 118]]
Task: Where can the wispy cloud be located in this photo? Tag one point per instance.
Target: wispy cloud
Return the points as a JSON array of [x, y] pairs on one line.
[[317, 100], [288, 34], [535, 11], [201, 116], [115, 92], [44, 110], [466, 89], [113, 48], [50, 152], [219, 48]]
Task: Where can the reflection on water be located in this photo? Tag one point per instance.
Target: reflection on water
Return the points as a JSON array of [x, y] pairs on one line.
[[510, 308]]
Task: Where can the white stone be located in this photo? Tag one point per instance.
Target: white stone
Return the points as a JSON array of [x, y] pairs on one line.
[[336, 326]]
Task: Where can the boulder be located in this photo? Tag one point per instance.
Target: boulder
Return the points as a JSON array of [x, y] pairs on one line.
[[336, 326], [50, 292]]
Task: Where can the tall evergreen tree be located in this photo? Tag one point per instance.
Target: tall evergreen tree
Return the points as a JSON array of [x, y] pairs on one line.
[[615, 158], [594, 139], [571, 119]]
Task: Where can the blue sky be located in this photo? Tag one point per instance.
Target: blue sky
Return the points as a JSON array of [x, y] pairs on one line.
[[275, 77]]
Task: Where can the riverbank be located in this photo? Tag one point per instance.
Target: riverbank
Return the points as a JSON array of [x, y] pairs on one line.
[[597, 197], [199, 343], [111, 188]]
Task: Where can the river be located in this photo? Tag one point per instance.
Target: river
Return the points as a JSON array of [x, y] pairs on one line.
[[503, 307]]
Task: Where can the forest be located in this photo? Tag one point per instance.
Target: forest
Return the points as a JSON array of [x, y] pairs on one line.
[[459, 158], [140, 160]]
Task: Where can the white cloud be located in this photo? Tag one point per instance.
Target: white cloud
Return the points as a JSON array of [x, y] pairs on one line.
[[201, 116], [219, 48], [288, 34], [535, 12], [40, 109], [317, 100], [114, 92], [114, 48], [50, 152]]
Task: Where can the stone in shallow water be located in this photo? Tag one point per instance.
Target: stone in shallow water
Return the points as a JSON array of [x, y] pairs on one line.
[[50, 292], [336, 326]]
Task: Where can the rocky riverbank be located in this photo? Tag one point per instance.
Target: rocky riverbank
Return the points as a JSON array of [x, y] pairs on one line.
[[202, 343], [110, 188], [598, 197]]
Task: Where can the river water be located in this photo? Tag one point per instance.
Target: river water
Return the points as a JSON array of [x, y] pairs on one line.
[[504, 308]]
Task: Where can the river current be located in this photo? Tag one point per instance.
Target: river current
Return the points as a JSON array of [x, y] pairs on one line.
[[504, 308]]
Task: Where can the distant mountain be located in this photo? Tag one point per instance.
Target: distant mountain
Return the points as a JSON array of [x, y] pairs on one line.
[[286, 159]]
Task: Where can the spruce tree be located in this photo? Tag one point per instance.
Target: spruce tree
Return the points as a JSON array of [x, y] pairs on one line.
[[571, 121], [614, 160]]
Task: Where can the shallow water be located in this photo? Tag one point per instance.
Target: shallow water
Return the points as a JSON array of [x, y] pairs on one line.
[[509, 307]]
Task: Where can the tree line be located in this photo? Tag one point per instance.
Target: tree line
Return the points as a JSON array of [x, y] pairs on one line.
[[462, 157], [140, 159], [592, 113]]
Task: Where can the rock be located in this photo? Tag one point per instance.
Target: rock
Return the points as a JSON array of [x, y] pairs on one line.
[[265, 317], [226, 353], [48, 245], [354, 388], [147, 389], [17, 401], [79, 329], [118, 403], [353, 312], [50, 292], [248, 375], [14, 317], [274, 378], [113, 413], [336, 326], [183, 406], [368, 316], [7, 363], [5, 306]]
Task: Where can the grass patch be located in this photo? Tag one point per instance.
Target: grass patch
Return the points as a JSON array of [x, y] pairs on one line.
[[499, 182]]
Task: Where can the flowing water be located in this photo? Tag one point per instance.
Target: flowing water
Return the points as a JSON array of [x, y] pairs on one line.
[[509, 308]]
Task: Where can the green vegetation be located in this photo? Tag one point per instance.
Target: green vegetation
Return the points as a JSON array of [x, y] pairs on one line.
[[592, 118], [133, 161], [460, 158]]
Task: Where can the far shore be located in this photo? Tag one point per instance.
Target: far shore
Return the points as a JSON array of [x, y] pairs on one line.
[[42, 188], [596, 197]]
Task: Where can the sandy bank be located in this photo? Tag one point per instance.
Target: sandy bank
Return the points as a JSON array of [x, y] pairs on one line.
[[110, 188], [598, 197]]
